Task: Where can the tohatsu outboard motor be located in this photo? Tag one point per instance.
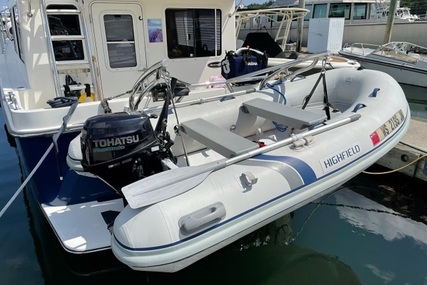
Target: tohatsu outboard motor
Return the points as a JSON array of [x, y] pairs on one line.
[[121, 148]]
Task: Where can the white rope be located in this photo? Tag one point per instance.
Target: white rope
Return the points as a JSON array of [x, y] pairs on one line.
[[54, 143], [26, 181]]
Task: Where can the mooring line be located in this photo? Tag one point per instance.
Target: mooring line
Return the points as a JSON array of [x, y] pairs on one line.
[[26, 180], [397, 169], [55, 137]]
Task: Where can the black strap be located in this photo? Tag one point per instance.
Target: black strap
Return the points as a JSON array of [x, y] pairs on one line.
[[67, 91], [87, 90], [325, 95], [105, 106], [326, 99], [308, 97]]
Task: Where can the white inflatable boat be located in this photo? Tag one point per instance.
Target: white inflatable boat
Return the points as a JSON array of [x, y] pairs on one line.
[[207, 174]]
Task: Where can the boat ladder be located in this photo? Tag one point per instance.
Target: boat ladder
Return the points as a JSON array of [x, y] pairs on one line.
[[85, 65]]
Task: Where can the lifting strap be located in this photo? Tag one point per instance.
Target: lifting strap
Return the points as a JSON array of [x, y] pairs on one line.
[[325, 92]]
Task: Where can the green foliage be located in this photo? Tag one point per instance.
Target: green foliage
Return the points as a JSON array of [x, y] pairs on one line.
[[260, 6]]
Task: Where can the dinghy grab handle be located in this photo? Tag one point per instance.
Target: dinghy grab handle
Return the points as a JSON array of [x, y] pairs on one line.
[[202, 218]]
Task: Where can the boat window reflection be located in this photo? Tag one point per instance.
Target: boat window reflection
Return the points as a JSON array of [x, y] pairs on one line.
[[65, 31], [193, 32], [319, 11], [360, 11], [16, 31], [120, 40], [340, 11]]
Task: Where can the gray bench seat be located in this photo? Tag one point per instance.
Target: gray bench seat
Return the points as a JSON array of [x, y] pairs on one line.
[[220, 140], [283, 114]]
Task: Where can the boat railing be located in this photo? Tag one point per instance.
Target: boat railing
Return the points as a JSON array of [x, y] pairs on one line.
[[264, 75], [277, 18], [362, 48], [402, 51], [158, 73], [145, 83]]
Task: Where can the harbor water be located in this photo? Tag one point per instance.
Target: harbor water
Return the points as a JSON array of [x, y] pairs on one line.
[[372, 230]]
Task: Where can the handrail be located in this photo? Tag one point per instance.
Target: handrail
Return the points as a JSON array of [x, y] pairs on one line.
[[277, 68], [159, 70], [285, 17], [155, 68], [261, 74]]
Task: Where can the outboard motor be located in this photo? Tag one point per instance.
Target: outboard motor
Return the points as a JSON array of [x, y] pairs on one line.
[[121, 148]]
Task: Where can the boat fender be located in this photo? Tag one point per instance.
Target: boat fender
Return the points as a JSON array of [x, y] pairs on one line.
[[84, 95], [202, 218]]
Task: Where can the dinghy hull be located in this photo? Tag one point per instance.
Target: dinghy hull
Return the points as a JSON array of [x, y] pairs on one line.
[[238, 198]]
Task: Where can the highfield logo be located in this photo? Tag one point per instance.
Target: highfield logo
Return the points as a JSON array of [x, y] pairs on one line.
[[120, 141], [341, 157]]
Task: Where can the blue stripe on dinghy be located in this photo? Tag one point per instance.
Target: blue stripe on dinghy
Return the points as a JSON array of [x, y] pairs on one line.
[[304, 170], [288, 172]]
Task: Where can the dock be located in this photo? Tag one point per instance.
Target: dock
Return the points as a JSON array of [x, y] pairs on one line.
[[410, 155]]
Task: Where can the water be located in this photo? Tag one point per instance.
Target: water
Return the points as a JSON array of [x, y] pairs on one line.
[[371, 231]]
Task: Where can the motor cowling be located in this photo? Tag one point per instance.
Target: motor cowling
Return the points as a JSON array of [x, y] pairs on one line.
[[120, 148]]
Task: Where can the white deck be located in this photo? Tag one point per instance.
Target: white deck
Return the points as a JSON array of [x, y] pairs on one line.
[[80, 227]]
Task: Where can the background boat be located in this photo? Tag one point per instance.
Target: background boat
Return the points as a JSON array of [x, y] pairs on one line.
[[405, 62], [364, 21]]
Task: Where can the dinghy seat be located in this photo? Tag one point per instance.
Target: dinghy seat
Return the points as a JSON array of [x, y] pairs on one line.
[[283, 114], [220, 140]]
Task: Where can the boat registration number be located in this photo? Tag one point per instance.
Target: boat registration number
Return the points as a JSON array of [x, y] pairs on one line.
[[387, 128]]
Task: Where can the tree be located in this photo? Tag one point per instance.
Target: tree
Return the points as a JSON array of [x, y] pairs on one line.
[[260, 6]]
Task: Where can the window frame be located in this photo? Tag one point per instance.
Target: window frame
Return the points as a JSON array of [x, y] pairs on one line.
[[189, 32], [16, 30], [128, 41], [71, 37], [356, 9], [343, 10], [323, 13]]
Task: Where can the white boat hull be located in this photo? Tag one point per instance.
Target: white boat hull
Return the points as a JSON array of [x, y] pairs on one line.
[[259, 146], [237, 199], [403, 74], [404, 66]]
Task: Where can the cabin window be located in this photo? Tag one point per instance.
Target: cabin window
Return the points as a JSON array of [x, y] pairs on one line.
[[309, 7], [360, 11], [340, 11], [193, 32], [319, 10], [120, 37], [66, 35], [16, 32]]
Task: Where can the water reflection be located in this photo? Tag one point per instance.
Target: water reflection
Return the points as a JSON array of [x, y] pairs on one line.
[[373, 217], [374, 225], [368, 232], [267, 256]]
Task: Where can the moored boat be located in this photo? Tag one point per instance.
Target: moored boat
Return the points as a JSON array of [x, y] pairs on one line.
[[234, 186], [147, 153], [405, 62], [364, 21]]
